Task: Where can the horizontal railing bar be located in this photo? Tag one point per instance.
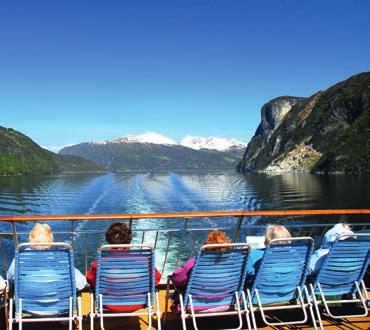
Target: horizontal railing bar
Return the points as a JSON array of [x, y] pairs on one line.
[[191, 229], [143, 216]]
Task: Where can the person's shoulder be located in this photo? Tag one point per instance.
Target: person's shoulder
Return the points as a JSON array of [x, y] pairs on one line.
[[256, 254]]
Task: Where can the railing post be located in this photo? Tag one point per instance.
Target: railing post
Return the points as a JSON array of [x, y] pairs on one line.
[[73, 234], [179, 252], [167, 247], [85, 252], [237, 228], [15, 238], [3, 254]]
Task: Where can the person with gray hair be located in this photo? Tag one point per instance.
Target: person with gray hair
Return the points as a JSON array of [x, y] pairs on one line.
[[330, 236], [255, 256]]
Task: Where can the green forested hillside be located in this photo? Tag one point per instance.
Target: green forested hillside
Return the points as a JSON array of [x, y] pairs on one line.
[[20, 155], [153, 157]]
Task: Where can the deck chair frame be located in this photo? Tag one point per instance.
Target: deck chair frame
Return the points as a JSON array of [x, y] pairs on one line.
[[359, 285], [303, 298], [188, 299], [97, 303], [74, 312]]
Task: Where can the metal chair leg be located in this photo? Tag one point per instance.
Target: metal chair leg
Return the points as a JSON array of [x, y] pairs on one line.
[[149, 312], [316, 306], [183, 312], [10, 316], [158, 311], [92, 312], [251, 308]]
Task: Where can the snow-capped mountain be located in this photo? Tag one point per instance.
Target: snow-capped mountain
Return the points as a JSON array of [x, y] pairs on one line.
[[155, 152], [193, 142], [148, 137], [213, 143]]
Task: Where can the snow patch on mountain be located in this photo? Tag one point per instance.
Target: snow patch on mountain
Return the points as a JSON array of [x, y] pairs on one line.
[[212, 142], [149, 137], [193, 142]]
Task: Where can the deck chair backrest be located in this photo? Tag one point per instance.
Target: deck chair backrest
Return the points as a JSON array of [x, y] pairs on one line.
[[345, 264], [217, 275], [282, 269], [125, 275], [44, 279]]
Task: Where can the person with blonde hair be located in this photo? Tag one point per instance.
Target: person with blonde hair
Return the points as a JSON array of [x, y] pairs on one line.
[[42, 233], [255, 256]]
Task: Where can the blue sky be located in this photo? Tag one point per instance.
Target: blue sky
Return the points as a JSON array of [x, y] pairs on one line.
[[74, 71]]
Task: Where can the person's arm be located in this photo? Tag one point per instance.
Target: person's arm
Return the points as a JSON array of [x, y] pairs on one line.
[[180, 276], [80, 280], [254, 261], [2, 284], [158, 276], [91, 274], [10, 272], [316, 261]]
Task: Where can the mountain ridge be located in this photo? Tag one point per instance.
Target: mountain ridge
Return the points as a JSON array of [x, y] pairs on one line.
[[139, 156], [19, 154], [326, 132], [193, 142]]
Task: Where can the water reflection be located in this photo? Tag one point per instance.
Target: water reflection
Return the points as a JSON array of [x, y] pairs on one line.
[[172, 192]]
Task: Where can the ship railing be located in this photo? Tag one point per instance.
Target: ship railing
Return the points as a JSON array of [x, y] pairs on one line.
[[175, 236]]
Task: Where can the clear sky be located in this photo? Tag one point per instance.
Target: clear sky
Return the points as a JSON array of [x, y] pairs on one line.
[[75, 71]]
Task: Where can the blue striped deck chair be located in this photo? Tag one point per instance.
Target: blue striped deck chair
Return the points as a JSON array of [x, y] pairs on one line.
[[279, 282], [341, 274], [125, 278], [44, 285], [216, 283]]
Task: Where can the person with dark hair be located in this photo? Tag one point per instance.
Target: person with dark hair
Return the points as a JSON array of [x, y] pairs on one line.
[[117, 233]]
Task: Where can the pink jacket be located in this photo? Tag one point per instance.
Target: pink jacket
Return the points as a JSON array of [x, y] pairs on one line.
[[181, 275]]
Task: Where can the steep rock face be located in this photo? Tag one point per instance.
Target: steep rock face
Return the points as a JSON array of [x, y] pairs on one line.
[[272, 114], [328, 132]]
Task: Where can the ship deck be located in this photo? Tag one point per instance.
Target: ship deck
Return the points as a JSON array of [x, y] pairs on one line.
[[173, 243], [174, 321]]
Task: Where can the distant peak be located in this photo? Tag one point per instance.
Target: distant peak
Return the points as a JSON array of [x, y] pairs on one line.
[[148, 137], [212, 142]]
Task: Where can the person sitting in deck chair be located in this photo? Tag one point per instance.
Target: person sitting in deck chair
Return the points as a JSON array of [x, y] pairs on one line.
[[181, 275], [42, 233], [117, 233], [330, 236], [255, 256]]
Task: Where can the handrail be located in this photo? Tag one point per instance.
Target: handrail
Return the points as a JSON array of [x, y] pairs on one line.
[[141, 216]]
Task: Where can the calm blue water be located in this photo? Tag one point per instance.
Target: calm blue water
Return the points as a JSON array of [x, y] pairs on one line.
[[172, 192]]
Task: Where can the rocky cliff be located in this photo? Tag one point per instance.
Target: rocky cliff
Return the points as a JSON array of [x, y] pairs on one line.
[[327, 132]]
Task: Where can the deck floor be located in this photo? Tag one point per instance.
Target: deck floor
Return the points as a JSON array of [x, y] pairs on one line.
[[174, 322]]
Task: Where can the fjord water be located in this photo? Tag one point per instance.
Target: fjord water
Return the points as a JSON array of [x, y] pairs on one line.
[[175, 192], [171, 192]]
